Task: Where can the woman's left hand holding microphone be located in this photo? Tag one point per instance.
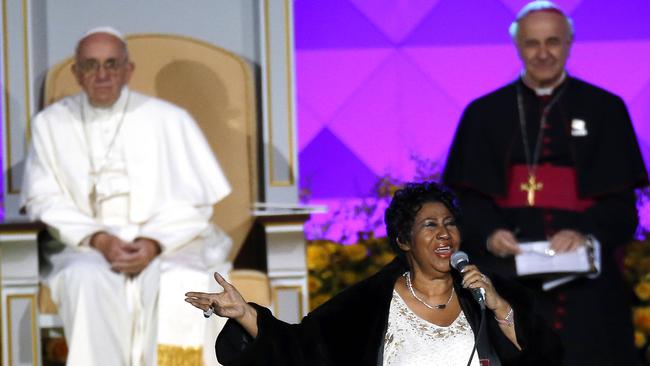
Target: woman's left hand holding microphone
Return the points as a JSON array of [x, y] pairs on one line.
[[473, 278]]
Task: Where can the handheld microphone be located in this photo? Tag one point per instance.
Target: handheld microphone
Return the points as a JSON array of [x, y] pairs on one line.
[[459, 260]]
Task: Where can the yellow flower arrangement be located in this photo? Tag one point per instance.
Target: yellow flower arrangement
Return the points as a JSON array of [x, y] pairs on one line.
[[639, 339], [383, 259], [314, 284], [636, 264], [355, 252], [318, 300], [642, 318], [318, 257], [349, 277], [642, 290], [333, 266], [340, 262]]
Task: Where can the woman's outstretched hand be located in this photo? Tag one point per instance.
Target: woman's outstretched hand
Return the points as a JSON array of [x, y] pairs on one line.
[[229, 304]]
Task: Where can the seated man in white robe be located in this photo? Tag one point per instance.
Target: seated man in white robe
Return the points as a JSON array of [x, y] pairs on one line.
[[125, 184]]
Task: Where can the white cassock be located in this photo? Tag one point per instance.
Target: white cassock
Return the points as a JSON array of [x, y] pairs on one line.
[[140, 168]]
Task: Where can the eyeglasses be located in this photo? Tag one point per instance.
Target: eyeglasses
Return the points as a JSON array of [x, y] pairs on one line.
[[91, 66]]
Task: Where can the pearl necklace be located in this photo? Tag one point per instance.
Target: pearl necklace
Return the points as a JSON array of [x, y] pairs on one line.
[[407, 275]]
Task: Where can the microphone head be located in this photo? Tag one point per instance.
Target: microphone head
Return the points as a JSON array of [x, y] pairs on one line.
[[457, 258]]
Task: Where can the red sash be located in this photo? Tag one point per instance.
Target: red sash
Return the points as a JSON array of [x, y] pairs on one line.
[[558, 191]]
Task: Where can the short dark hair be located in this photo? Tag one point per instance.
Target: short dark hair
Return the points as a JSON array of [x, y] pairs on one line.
[[407, 202]]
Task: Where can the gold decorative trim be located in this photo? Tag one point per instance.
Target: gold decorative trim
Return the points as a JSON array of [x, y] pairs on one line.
[[298, 289], [5, 64], [269, 115], [289, 70], [10, 184], [287, 223], [32, 299], [18, 232], [169, 355], [291, 181], [28, 98]]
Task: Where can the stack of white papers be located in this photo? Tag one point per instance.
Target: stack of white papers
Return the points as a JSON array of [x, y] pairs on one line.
[[537, 258]]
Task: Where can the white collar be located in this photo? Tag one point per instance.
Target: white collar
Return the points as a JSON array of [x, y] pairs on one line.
[[546, 90], [93, 113]]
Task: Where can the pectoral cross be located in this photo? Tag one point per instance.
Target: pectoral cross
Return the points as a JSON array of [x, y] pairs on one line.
[[92, 197], [530, 187]]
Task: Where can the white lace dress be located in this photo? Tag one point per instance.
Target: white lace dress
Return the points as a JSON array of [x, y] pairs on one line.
[[413, 341]]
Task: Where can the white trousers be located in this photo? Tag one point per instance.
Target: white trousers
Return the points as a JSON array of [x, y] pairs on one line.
[[111, 320], [108, 319]]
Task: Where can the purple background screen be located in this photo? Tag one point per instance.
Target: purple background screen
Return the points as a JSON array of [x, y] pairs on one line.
[[381, 81]]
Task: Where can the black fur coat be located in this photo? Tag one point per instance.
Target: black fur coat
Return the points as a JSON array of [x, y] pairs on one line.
[[349, 329]]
